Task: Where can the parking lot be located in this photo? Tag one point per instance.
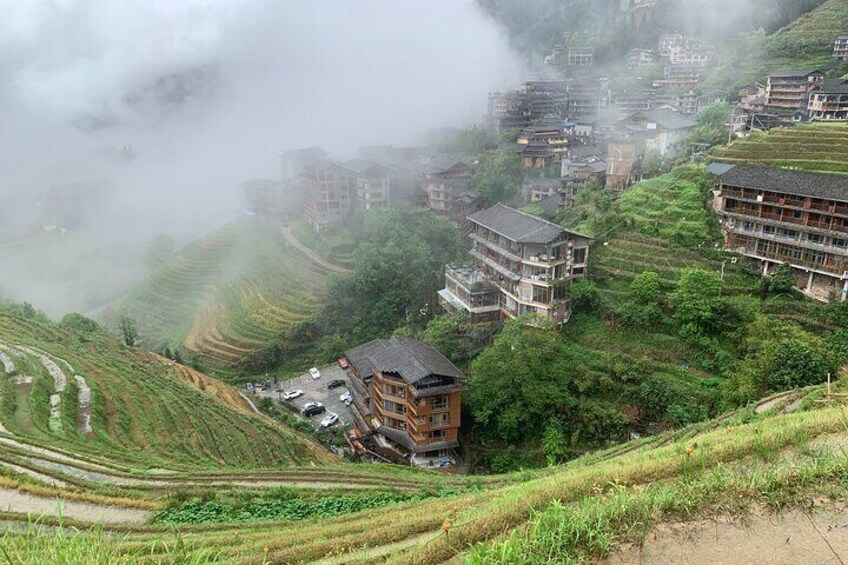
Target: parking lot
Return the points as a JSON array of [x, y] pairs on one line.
[[315, 390]]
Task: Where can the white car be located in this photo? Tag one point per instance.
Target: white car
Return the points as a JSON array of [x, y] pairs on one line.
[[292, 394], [329, 420], [316, 374], [346, 396]]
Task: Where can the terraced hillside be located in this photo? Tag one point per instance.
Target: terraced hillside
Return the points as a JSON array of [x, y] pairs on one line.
[[784, 452], [810, 147], [86, 393], [226, 295]]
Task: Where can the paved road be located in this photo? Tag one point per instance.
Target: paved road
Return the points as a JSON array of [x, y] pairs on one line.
[[315, 390], [289, 236]]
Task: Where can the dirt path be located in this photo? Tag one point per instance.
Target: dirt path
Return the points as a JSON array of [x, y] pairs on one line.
[[794, 537], [8, 364], [35, 506], [372, 553], [317, 259], [84, 399]]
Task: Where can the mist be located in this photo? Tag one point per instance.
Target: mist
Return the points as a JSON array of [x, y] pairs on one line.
[[206, 94], [173, 104]]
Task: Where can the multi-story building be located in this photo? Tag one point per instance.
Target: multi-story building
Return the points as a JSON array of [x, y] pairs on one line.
[[581, 56], [785, 216], [532, 262], [829, 101], [789, 89], [373, 183], [447, 184], [327, 193], [639, 58], [468, 290], [677, 76], [542, 188], [587, 98], [408, 396], [543, 143], [840, 48]]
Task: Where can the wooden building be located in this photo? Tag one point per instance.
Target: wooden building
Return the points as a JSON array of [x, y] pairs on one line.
[[407, 395], [793, 217]]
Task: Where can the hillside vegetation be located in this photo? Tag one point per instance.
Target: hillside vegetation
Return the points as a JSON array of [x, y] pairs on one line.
[[224, 297], [81, 391], [810, 147], [780, 454]]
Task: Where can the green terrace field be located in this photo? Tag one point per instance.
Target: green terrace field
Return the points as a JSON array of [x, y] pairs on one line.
[[782, 453], [810, 147], [88, 394], [229, 294]]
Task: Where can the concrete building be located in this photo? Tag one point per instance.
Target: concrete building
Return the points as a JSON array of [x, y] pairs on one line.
[[829, 101], [530, 260], [793, 217], [639, 58], [408, 396], [327, 193], [840, 48], [581, 56]]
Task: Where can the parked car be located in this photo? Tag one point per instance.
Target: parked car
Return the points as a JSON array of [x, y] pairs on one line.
[[313, 409], [292, 394], [316, 374], [330, 419], [250, 388], [335, 383], [343, 363], [346, 396]]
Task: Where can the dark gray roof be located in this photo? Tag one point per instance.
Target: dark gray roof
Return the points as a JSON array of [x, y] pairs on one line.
[[719, 169], [663, 117], [788, 73], [835, 86], [517, 225], [817, 185], [409, 359], [550, 205]]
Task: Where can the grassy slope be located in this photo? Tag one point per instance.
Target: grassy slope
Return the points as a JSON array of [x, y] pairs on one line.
[[228, 294], [811, 147], [144, 412], [580, 510]]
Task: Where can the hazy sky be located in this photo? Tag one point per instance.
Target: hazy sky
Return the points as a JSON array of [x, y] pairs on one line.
[[266, 75]]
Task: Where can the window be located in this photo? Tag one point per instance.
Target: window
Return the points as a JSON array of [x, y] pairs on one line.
[[440, 420], [814, 238], [396, 424], [439, 402], [394, 390], [579, 255], [437, 434], [395, 407]]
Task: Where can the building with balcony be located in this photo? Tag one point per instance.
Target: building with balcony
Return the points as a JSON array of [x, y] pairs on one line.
[[530, 260], [466, 289], [407, 395], [327, 193], [544, 143], [840, 48], [789, 89], [581, 56], [829, 101], [784, 216], [447, 184]]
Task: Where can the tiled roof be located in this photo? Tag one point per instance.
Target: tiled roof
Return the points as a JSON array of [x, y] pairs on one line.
[[788, 73], [817, 185], [407, 358], [518, 226], [835, 86]]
